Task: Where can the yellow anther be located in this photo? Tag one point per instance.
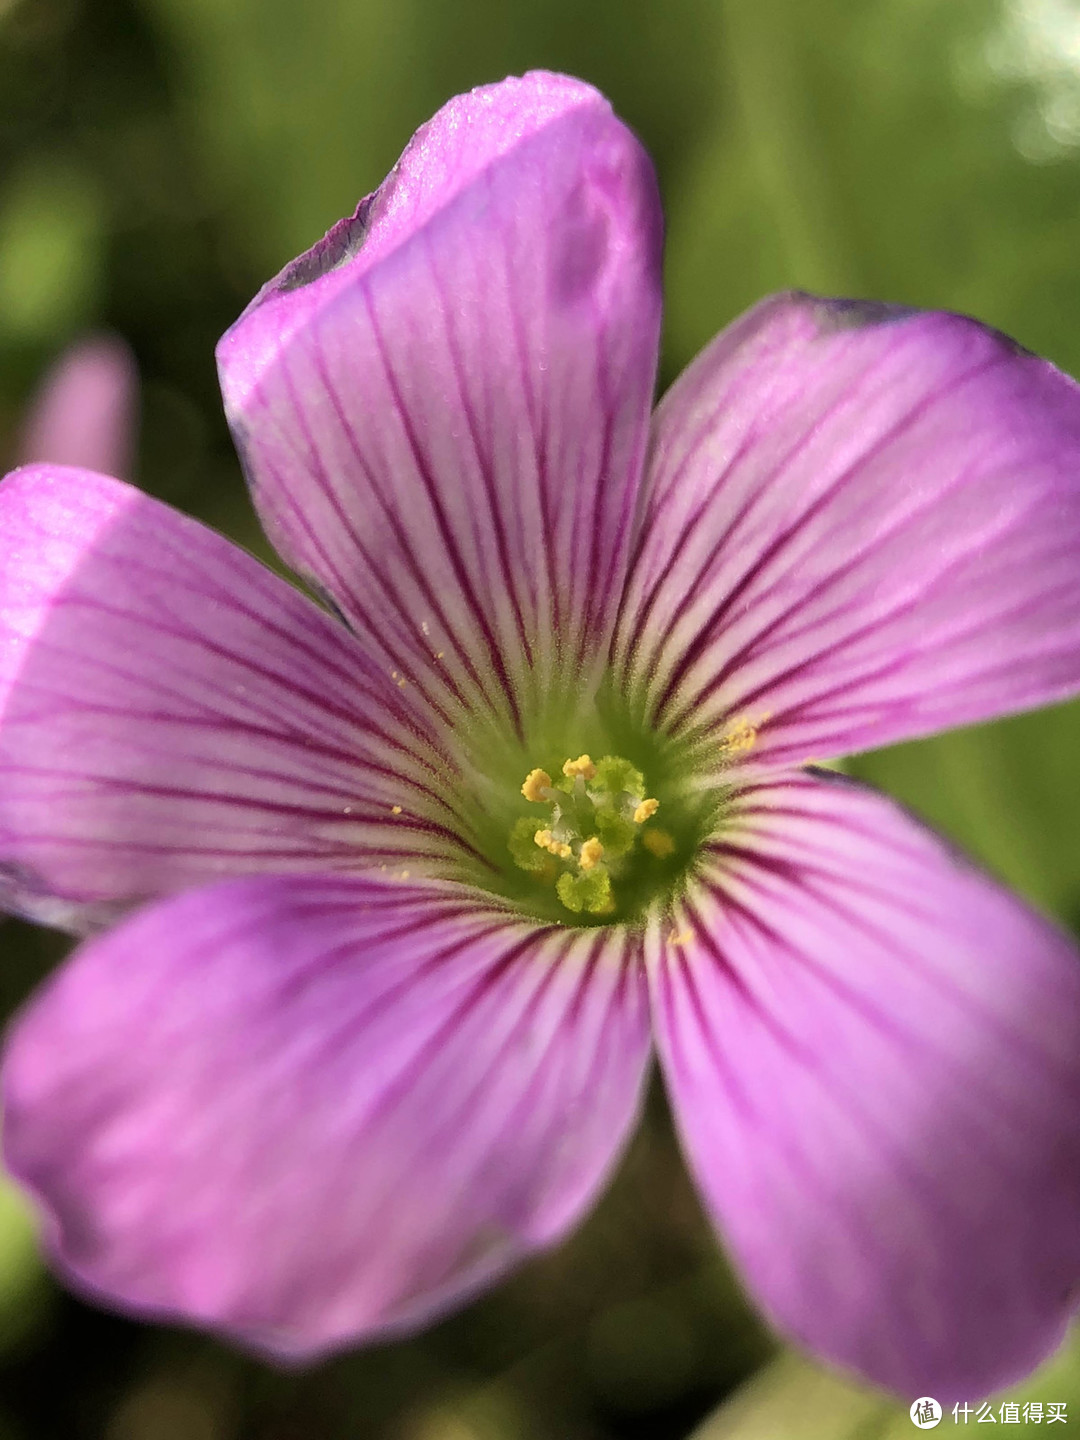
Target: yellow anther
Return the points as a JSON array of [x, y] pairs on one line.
[[658, 843], [581, 766], [645, 811], [742, 735], [591, 851], [543, 839], [535, 782], [395, 809], [563, 851]]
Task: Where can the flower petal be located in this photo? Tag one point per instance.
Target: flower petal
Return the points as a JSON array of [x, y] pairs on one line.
[[874, 1056], [863, 524], [171, 712], [443, 407], [311, 1109], [84, 411]]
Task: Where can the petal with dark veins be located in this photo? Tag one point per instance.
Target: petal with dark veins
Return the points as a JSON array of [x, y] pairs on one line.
[[862, 524], [443, 408], [873, 1053], [172, 712], [307, 1110]]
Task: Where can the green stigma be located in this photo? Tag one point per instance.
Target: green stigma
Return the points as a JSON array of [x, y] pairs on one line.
[[594, 835]]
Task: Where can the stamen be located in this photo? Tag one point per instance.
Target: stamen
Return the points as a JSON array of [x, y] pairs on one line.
[[547, 841], [597, 812], [582, 766], [535, 783]]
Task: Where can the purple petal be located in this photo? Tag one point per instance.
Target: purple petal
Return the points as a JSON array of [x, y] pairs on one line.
[[310, 1109], [443, 406], [171, 712], [863, 524], [84, 411], [874, 1056]]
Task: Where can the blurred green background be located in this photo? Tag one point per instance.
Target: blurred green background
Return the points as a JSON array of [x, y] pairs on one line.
[[159, 159]]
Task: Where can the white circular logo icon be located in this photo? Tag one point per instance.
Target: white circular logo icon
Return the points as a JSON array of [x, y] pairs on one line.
[[925, 1413]]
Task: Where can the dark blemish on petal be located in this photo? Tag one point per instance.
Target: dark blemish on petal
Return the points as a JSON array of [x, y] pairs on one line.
[[342, 243], [835, 315], [323, 596], [28, 895], [17, 880], [1007, 342], [338, 246], [858, 314]]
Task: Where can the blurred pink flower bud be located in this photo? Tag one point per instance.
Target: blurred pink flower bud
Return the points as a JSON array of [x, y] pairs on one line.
[[84, 411]]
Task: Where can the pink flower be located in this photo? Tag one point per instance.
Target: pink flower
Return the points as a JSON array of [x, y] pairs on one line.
[[415, 920]]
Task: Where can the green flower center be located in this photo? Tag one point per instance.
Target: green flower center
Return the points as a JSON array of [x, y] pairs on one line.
[[583, 841]]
